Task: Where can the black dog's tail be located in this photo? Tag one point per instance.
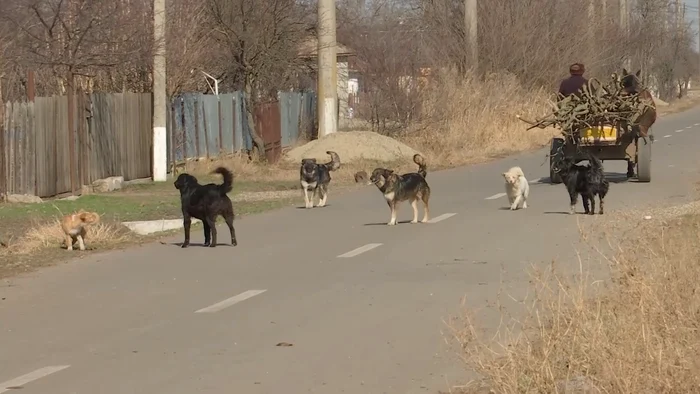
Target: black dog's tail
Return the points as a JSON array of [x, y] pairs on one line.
[[227, 186], [596, 164], [422, 166], [334, 164]]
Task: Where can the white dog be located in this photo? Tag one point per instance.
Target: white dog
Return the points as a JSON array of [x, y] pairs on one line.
[[517, 188]]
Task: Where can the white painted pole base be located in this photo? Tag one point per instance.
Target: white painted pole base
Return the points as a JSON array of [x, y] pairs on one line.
[[160, 154], [329, 112]]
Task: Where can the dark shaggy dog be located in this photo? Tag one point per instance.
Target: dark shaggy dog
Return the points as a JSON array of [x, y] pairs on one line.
[[316, 177], [206, 202], [588, 181], [397, 188]]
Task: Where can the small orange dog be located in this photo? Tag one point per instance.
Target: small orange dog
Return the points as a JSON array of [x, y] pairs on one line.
[[74, 227]]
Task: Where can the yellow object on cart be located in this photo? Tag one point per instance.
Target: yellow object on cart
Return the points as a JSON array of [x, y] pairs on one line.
[[600, 133]]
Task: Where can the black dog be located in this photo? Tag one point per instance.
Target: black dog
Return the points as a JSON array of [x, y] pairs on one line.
[[206, 202], [588, 181]]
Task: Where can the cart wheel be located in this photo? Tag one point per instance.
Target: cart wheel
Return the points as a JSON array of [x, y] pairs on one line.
[[555, 152], [644, 160]]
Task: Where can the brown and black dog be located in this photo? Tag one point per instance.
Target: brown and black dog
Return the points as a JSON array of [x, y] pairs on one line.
[[315, 178], [397, 188]]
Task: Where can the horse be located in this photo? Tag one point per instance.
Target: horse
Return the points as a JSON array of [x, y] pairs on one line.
[[631, 85]]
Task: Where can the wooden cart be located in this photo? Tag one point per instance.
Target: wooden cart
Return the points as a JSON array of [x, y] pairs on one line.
[[607, 142]]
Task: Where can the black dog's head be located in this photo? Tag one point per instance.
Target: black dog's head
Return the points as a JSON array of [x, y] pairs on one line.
[[562, 166], [184, 182], [308, 167]]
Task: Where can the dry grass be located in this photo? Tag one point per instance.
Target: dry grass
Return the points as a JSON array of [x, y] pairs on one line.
[[681, 105], [636, 331], [50, 235], [468, 120]]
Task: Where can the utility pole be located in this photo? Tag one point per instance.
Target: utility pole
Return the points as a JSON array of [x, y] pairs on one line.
[[327, 85], [625, 26], [591, 28], [471, 20], [160, 112]]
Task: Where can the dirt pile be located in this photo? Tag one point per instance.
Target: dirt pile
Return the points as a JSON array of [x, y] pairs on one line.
[[352, 146]]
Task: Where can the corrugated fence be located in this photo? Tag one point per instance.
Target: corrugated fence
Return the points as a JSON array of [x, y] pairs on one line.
[[204, 125]]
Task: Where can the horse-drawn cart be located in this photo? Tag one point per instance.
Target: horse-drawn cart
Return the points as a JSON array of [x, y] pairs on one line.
[[610, 122], [606, 142]]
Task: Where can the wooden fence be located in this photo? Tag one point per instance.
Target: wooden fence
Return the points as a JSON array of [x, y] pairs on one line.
[[110, 135]]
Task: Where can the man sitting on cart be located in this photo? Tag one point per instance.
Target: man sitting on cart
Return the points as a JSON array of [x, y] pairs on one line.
[[575, 82]]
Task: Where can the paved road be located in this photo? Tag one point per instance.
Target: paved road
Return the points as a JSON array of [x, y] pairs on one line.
[[149, 319]]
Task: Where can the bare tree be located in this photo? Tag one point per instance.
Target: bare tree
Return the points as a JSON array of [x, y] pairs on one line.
[[84, 38], [190, 46], [259, 40]]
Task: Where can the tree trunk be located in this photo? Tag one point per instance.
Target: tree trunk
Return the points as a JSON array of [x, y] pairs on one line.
[[258, 143]]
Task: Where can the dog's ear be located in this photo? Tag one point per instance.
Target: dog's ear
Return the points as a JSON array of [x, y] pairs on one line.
[[638, 73], [504, 174], [624, 72]]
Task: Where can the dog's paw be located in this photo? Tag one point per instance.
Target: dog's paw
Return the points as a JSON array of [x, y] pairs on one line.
[[391, 224], [207, 243], [234, 242], [414, 221], [184, 245], [524, 205], [212, 246]]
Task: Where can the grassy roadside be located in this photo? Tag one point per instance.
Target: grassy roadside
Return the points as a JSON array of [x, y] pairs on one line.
[[628, 323], [31, 235]]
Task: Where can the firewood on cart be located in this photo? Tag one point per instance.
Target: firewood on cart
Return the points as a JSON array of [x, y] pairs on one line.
[[598, 105]]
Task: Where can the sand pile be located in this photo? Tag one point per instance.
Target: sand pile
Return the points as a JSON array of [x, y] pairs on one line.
[[352, 146]]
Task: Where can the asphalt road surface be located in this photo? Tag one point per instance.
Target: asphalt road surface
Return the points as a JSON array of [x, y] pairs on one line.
[[362, 303]]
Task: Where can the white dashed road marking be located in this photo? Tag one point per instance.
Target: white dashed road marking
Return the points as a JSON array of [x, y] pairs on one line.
[[441, 217], [667, 135], [495, 196], [360, 250], [18, 382], [230, 301], [689, 127], [696, 124], [679, 130], [533, 181]]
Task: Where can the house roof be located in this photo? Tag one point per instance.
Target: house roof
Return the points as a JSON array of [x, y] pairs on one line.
[[309, 48]]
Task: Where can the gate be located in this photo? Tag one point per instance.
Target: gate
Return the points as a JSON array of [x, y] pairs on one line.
[[267, 124]]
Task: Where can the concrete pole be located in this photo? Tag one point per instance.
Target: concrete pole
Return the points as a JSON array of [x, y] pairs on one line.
[[327, 85], [592, 24], [160, 113], [625, 26], [471, 29]]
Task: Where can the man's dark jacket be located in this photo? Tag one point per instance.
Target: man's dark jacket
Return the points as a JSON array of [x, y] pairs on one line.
[[572, 85]]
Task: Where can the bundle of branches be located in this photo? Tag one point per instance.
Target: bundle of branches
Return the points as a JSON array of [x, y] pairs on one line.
[[597, 105]]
